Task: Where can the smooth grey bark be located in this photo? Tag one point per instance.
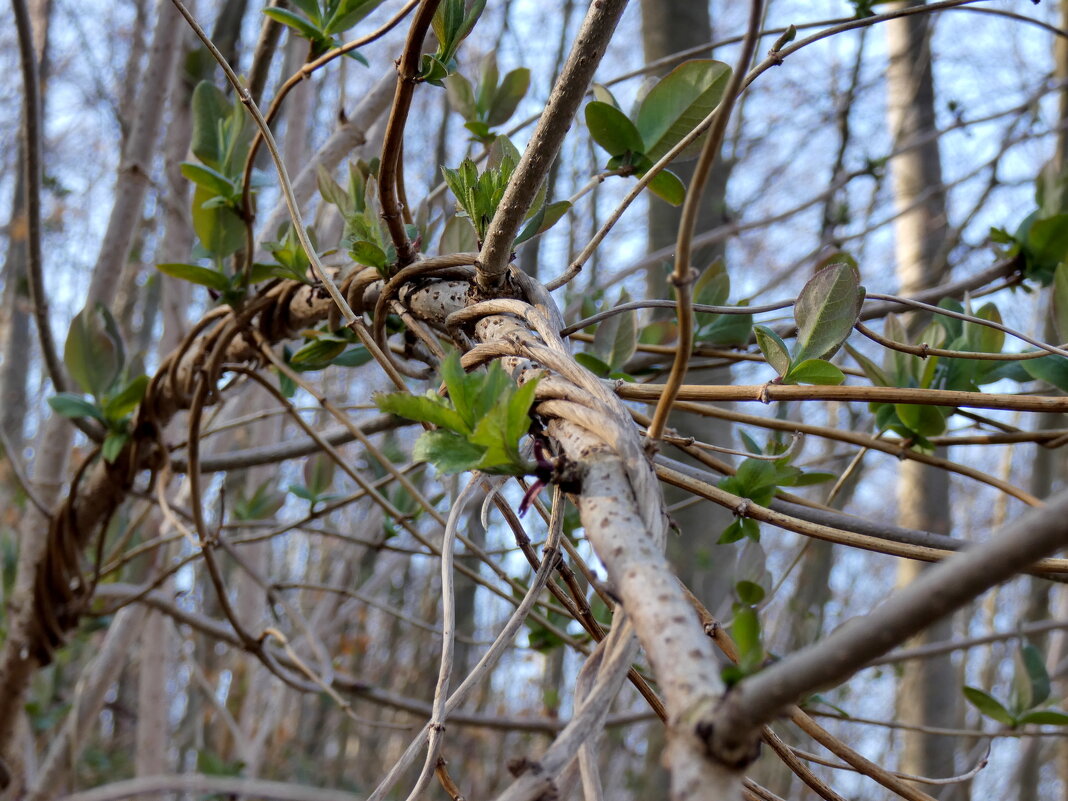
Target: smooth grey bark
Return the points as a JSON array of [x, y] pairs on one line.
[[924, 696]]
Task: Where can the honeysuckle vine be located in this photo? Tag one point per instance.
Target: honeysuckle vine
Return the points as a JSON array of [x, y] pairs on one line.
[[514, 402]]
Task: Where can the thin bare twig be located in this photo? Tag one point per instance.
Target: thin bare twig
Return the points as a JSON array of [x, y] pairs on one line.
[[31, 129]]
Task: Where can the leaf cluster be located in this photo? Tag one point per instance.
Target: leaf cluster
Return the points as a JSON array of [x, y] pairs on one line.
[[746, 633], [364, 236], [319, 21], [672, 109], [452, 23], [96, 359], [491, 103], [713, 288], [825, 312], [917, 422], [759, 480], [1030, 690], [479, 424], [222, 135], [613, 344], [1041, 240], [479, 194]]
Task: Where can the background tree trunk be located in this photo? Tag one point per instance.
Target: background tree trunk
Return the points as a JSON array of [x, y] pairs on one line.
[[923, 493]]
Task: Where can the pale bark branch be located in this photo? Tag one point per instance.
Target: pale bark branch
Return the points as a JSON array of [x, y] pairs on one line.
[[939, 591]]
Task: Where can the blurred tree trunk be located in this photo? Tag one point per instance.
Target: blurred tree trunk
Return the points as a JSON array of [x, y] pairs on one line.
[[15, 326], [1049, 469], [668, 27], [928, 693]]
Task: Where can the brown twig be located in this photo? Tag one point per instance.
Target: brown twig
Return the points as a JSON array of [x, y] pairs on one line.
[[392, 144]]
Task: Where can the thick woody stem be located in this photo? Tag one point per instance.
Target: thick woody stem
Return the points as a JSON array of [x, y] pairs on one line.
[[937, 592], [541, 152]]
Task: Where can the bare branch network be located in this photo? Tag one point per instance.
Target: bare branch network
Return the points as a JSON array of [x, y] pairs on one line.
[[392, 489]]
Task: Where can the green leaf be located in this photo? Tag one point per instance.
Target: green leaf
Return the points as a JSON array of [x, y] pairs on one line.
[[617, 337], [487, 82], [348, 13], [1036, 675], [295, 21], [1052, 369], [1060, 301], [220, 230], [740, 529], [713, 286], [814, 371], [593, 364], [458, 236], [899, 367], [874, 373], [1047, 244], [667, 186], [500, 454], [93, 353], [544, 219], [432, 70], [318, 354], [448, 452], [826, 310], [463, 391], [461, 95], [211, 180], [353, 357], [518, 411], [74, 406], [604, 95], [196, 274], [113, 444], [319, 473], [981, 338], [488, 388], [311, 9], [506, 100], [501, 150], [262, 504], [612, 130], [774, 349], [749, 592], [429, 408], [678, 104], [726, 329], [756, 479], [751, 444], [264, 272], [746, 633], [1048, 716], [368, 253], [119, 406], [210, 108], [927, 421], [989, 706]]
